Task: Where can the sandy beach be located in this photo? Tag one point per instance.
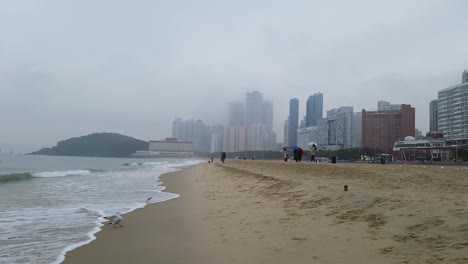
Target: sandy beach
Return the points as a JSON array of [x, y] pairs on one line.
[[276, 212]]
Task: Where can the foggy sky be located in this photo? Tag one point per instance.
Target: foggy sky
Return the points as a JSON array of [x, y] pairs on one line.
[[69, 68]]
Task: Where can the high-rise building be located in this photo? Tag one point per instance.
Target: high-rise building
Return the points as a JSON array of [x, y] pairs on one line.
[[193, 131], [357, 130], [254, 108], [235, 139], [465, 76], [303, 123], [286, 132], [236, 114], [217, 132], [177, 128], [433, 112], [341, 127], [452, 113], [314, 109], [381, 129], [293, 121], [268, 114]]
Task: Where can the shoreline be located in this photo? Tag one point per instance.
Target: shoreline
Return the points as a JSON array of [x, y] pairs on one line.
[[276, 212], [93, 234], [168, 185]]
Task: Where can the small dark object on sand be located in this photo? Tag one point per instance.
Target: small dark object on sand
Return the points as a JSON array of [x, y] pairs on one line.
[[345, 188]]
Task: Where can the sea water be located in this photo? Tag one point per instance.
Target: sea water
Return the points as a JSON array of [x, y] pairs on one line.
[[51, 205]]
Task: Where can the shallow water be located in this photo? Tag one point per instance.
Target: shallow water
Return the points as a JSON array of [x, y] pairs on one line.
[[50, 205]]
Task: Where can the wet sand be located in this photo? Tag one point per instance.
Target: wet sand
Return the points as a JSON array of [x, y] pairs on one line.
[[276, 212]]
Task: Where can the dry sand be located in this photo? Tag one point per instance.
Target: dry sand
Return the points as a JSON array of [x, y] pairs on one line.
[[276, 212]]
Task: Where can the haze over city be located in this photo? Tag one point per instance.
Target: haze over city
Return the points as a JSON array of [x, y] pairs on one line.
[[69, 68]]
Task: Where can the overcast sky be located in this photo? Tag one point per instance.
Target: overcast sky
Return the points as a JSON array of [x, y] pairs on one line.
[[69, 68]]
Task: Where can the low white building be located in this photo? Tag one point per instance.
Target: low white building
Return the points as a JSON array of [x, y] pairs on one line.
[[170, 147]]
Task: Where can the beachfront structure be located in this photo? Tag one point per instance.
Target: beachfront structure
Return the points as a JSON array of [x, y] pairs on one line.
[[293, 121], [236, 114], [170, 147], [433, 113], [465, 76], [194, 131], [411, 149], [341, 127], [452, 114], [314, 109], [317, 134], [381, 129], [357, 130]]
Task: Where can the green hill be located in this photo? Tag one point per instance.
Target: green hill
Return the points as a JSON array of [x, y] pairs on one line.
[[96, 145]]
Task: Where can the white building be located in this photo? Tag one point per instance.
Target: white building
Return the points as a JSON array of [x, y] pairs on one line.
[[217, 132], [387, 106], [317, 134], [453, 112], [170, 147], [341, 127]]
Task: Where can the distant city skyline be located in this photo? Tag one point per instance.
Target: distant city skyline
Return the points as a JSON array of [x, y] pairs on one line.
[[314, 109], [71, 68]]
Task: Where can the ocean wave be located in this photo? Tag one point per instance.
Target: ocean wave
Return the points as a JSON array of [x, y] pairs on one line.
[[14, 177], [48, 174]]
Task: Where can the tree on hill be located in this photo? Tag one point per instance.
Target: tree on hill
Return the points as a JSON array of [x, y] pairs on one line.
[[96, 145]]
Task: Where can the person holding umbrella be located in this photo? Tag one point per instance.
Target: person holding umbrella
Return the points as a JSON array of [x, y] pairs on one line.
[[296, 153]]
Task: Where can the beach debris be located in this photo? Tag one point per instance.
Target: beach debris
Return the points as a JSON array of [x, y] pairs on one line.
[[442, 167], [345, 188], [115, 219], [148, 199]]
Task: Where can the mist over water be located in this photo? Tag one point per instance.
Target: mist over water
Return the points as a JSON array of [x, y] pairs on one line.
[[59, 205]]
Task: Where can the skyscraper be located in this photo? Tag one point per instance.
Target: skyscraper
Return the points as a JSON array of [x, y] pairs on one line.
[[236, 114], [193, 131], [254, 108], [314, 109], [465, 76], [286, 130], [268, 114], [293, 121], [452, 113], [433, 111]]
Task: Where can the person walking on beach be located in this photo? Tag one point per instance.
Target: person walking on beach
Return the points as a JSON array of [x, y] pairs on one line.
[[296, 153], [300, 154], [285, 155], [223, 156], [313, 151]]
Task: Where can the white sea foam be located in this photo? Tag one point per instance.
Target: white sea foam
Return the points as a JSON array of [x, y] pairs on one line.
[[60, 215], [49, 174]]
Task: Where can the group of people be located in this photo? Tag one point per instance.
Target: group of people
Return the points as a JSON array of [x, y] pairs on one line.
[[298, 152]]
